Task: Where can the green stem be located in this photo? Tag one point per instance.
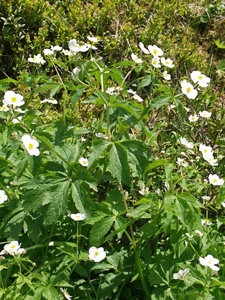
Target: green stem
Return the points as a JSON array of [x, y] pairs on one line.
[[141, 276]]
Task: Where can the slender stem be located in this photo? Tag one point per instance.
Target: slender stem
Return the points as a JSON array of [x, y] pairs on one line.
[[77, 238]]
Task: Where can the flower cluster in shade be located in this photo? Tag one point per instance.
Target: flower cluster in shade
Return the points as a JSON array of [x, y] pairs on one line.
[[13, 248], [198, 78], [31, 145]]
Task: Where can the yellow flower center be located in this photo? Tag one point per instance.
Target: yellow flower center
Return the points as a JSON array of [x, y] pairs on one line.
[[96, 253], [30, 146], [13, 99], [215, 180], [155, 51], [188, 89]]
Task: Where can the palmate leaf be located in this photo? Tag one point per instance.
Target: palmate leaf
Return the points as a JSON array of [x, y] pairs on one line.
[[81, 198], [118, 163], [98, 148], [100, 229], [57, 207]]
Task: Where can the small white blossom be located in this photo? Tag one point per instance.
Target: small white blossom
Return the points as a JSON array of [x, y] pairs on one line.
[[48, 52], [51, 101], [206, 222], [136, 59], [97, 254], [3, 196], [138, 98], [156, 62], [205, 149], [155, 51], [223, 203], [113, 90], [76, 71], [11, 98], [206, 198], [210, 159], [187, 144], [166, 76], [13, 248], [37, 59], [92, 39], [83, 161], [215, 180], [199, 233], [130, 91], [200, 79], [193, 118], [30, 144], [205, 114], [4, 108], [74, 47], [15, 121], [101, 136], [210, 262], [56, 48], [77, 217], [181, 274], [65, 294], [188, 89], [66, 52], [182, 162], [51, 244], [167, 62], [144, 191], [143, 49]]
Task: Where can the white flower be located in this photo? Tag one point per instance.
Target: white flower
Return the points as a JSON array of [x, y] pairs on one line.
[[3, 196], [97, 254], [30, 144], [206, 198], [136, 59], [65, 294], [193, 118], [167, 62], [209, 261], [66, 52], [155, 51], [188, 89], [101, 136], [14, 248], [19, 110], [166, 76], [210, 159], [4, 108], [200, 78], [205, 114], [143, 49], [205, 149], [206, 222], [182, 162], [187, 144], [199, 233], [53, 101], [76, 71], [92, 39], [48, 52], [215, 180], [37, 59], [156, 62], [113, 90], [138, 98], [51, 243], [11, 98], [83, 161], [130, 91], [75, 47], [56, 48], [223, 203], [144, 191], [77, 217], [181, 274]]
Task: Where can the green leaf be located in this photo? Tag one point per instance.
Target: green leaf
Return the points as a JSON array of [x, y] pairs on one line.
[[219, 44], [127, 107], [145, 82], [157, 163], [58, 205], [97, 150], [80, 196], [221, 196], [160, 101], [118, 163], [99, 230], [76, 96], [49, 292]]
